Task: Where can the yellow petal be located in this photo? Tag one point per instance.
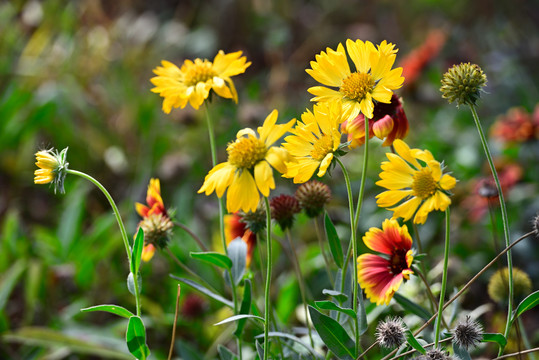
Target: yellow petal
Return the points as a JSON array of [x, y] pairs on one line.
[[264, 178], [242, 193]]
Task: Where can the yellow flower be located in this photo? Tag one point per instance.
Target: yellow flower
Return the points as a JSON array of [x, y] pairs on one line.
[[372, 81], [416, 188], [247, 173], [194, 80], [314, 141], [52, 168]]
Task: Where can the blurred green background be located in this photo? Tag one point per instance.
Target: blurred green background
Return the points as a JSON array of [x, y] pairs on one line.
[[76, 74]]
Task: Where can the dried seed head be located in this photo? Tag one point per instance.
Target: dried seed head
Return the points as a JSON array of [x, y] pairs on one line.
[[438, 354], [313, 196], [468, 333], [157, 229], [390, 333], [255, 220], [463, 83], [535, 225], [283, 209]]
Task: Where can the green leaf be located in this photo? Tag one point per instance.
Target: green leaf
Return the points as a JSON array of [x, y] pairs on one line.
[[204, 290], [412, 307], [237, 252], [113, 309], [334, 242], [412, 341], [529, 302], [333, 335], [226, 354], [239, 317], [213, 258], [461, 353], [362, 315], [245, 307], [328, 305], [136, 253], [131, 283], [9, 280], [496, 338], [259, 349], [335, 294], [293, 338], [136, 338]]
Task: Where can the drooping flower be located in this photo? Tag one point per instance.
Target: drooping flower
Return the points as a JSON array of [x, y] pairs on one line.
[[380, 276], [415, 183], [52, 168], [314, 141], [248, 171], [313, 196], [193, 81], [389, 122], [155, 222], [234, 228], [372, 80]]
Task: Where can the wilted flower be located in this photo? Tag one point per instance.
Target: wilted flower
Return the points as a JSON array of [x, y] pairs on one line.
[[389, 122], [283, 210], [313, 196], [468, 333], [463, 84], [52, 168], [498, 285], [193, 81], [390, 333]]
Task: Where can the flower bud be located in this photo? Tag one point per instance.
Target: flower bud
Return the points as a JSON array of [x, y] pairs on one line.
[[283, 209], [463, 83], [313, 196]]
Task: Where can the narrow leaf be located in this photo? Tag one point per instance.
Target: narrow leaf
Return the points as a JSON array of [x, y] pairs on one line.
[[136, 253], [412, 341], [113, 309], [239, 317], [496, 338], [131, 283], [237, 252], [333, 335], [412, 307], [226, 354], [214, 258], [334, 242], [336, 294], [529, 302], [9, 280], [328, 305], [260, 349], [245, 307], [461, 353], [293, 338], [136, 338], [204, 290]]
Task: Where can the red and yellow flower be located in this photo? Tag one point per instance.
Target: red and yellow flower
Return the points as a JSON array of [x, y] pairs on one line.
[[155, 221], [380, 276]]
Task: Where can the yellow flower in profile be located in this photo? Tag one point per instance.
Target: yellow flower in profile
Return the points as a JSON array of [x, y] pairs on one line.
[[52, 168], [415, 183], [247, 173], [373, 80], [194, 80], [314, 141]]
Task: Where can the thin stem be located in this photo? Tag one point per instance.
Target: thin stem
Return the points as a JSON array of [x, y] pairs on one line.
[[301, 283], [363, 174], [517, 353], [444, 278], [120, 224], [323, 250], [174, 325], [433, 304], [461, 291], [189, 271], [193, 235], [504, 221], [354, 249], [268, 280]]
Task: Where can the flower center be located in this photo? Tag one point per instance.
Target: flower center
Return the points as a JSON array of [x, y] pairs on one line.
[[398, 261], [199, 72], [357, 85], [245, 152], [322, 147], [424, 184]]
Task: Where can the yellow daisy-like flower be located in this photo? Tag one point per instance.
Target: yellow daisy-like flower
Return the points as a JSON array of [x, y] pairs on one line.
[[247, 173], [373, 80], [194, 80], [52, 168], [314, 141], [416, 187]]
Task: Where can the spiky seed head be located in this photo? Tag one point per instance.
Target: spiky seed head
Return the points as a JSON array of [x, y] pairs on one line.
[[390, 333], [463, 84], [535, 225], [254, 220], [283, 209], [313, 196], [468, 333]]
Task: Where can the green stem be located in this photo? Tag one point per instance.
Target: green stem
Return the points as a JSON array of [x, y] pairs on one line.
[[504, 221], [354, 249], [444, 278], [268, 280], [323, 250], [363, 174], [120, 224]]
